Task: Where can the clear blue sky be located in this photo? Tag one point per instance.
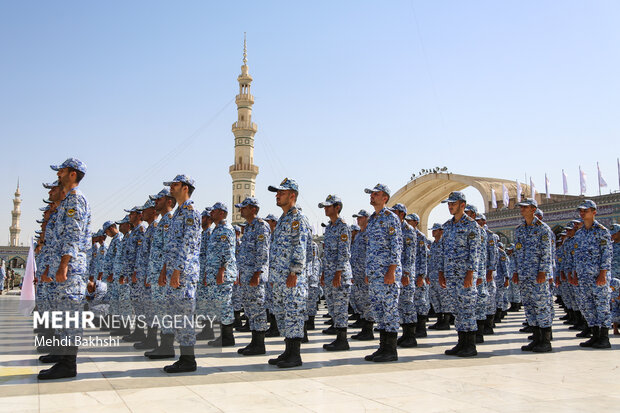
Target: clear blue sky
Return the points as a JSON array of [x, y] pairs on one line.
[[348, 94]]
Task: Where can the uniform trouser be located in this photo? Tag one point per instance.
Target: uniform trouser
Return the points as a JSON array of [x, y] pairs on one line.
[[269, 297], [137, 292], [254, 305], [70, 295], [360, 290], [289, 307], [159, 296], [338, 303], [328, 298], [482, 299], [406, 306], [181, 307], [353, 302], [221, 299], [596, 300], [615, 309], [566, 296], [464, 303], [204, 304], [313, 298], [500, 295], [421, 299], [124, 301], [384, 301], [514, 292], [113, 291], [491, 302], [537, 301], [237, 298]]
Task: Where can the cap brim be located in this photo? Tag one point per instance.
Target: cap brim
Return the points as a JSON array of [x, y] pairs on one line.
[[238, 205], [55, 167], [369, 191], [168, 183]]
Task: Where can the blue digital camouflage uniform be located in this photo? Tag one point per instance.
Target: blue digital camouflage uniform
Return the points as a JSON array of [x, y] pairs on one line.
[[221, 253], [254, 257], [459, 248], [383, 249], [46, 292], [492, 253], [442, 301], [358, 268], [614, 286], [593, 254], [421, 297], [336, 257], [533, 255], [406, 306], [114, 251], [565, 259], [73, 238], [92, 263], [181, 254], [237, 295], [615, 263], [159, 294], [482, 297], [288, 255], [502, 275], [203, 303], [141, 294], [133, 244], [313, 281]]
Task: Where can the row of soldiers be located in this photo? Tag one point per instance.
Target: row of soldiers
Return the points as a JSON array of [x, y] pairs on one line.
[[166, 261]]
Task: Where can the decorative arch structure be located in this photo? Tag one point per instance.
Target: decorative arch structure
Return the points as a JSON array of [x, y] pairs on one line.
[[423, 194]]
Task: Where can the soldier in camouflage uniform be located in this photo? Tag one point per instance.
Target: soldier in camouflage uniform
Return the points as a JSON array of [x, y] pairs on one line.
[[421, 297], [288, 273], [441, 300], [360, 281], [203, 303]]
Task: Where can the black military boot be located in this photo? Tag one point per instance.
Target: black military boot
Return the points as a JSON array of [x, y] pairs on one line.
[[440, 317], [408, 339], [66, 367], [273, 327], [359, 323], [256, 346], [185, 363], [56, 354], [479, 334], [527, 329], [390, 353], [381, 348], [497, 318], [135, 337], [535, 337], [469, 345], [459, 345], [150, 342], [47, 335], [206, 333], [445, 323], [331, 331], [226, 339], [245, 327], [340, 343], [354, 317], [596, 331], [488, 325], [294, 356], [544, 345], [585, 333], [105, 326], [237, 323], [366, 333], [305, 338], [329, 322], [165, 349], [580, 323], [310, 324], [603, 339], [284, 355], [420, 329]]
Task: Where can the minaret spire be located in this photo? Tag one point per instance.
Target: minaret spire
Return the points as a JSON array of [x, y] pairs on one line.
[[243, 171], [15, 229]]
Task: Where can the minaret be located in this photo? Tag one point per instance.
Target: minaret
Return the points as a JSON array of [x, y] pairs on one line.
[[243, 171], [14, 229]]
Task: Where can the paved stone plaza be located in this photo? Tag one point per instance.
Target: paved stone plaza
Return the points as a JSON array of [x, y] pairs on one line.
[[500, 379]]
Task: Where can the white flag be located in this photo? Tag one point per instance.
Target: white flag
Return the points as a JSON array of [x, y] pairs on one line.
[[547, 187], [601, 181], [532, 189], [618, 172], [518, 191], [493, 198], [26, 299], [505, 196], [564, 182], [582, 181]]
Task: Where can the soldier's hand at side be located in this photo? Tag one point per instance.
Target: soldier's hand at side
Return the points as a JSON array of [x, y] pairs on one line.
[[134, 277], [121, 280], [506, 283], [45, 277], [61, 274], [110, 278], [489, 276], [602, 278], [366, 279], [427, 281], [336, 281], [99, 276], [442, 279], [255, 279], [469, 279], [146, 284], [175, 279], [161, 281], [404, 280], [515, 278], [541, 277], [323, 280], [419, 281], [219, 278], [291, 280], [90, 287]]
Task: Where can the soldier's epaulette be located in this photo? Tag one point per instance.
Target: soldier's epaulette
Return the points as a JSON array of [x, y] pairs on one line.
[[155, 224], [260, 220], [601, 226], [293, 210], [469, 218], [538, 223]]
